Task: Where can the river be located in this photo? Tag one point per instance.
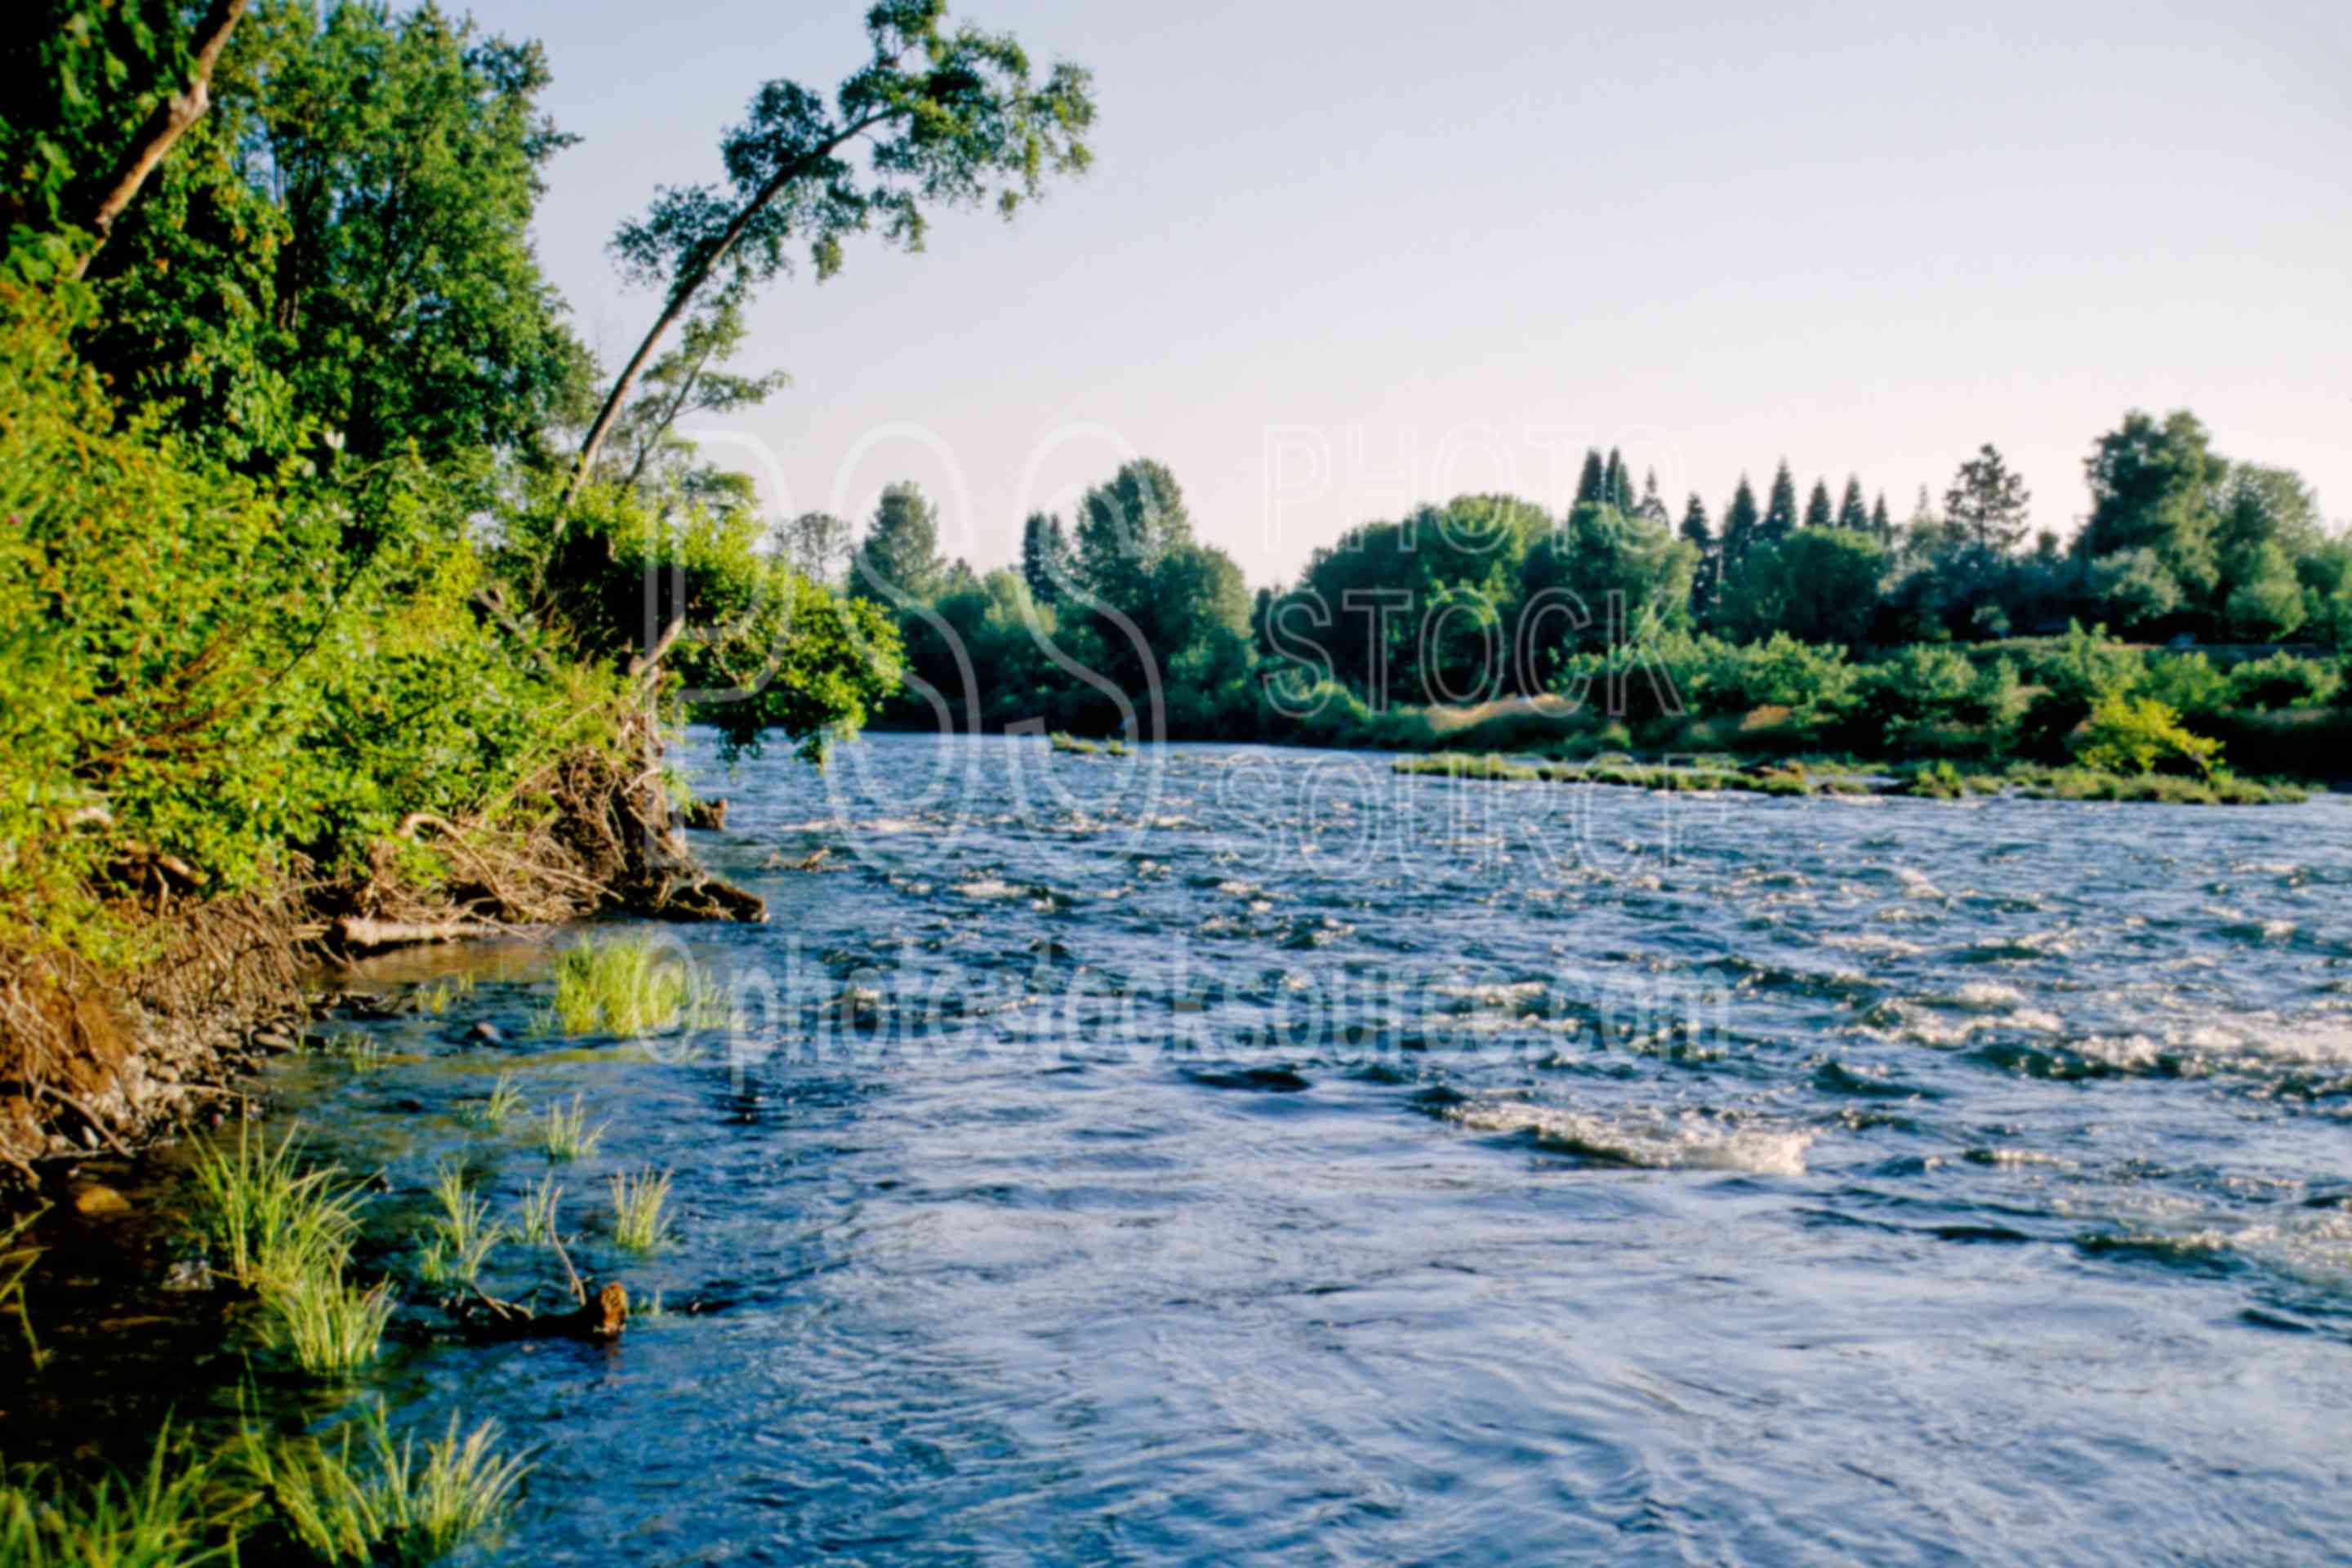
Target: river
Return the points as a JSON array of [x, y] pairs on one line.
[[1222, 1155]]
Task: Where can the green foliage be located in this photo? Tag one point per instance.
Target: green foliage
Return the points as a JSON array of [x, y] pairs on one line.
[[2187, 683], [638, 1198], [2283, 680], [1732, 679], [328, 1324], [565, 1134], [166, 1515], [275, 1223], [382, 1505], [629, 987], [1817, 586], [2142, 734]]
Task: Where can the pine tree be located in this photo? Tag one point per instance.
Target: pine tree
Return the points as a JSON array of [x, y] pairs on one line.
[[1706, 580], [1780, 512], [1654, 505], [1045, 557], [1987, 503], [1880, 523], [1591, 483], [1853, 516], [1817, 506], [1740, 525], [1616, 483]]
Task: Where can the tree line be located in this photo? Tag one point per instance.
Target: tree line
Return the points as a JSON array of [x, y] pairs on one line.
[[1492, 596]]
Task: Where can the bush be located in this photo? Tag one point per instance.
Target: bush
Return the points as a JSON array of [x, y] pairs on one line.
[[1725, 678], [2283, 680], [2187, 683], [2142, 734]]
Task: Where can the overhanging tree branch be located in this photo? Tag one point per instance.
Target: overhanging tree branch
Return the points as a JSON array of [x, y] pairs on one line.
[[164, 127]]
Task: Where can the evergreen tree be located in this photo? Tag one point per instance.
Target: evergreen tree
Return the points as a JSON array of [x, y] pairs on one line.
[[1045, 557], [1987, 503], [1853, 516], [1880, 523], [1616, 484], [1817, 506], [1740, 524], [1654, 505], [1700, 536], [901, 551], [1780, 512], [1590, 484]]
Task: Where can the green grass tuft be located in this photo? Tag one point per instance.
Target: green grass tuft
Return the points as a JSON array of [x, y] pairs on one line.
[[565, 1133], [331, 1326], [539, 1211], [626, 986], [275, 1224], [639, 1223]]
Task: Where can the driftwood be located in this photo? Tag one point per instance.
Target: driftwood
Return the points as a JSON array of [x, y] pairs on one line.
[[602, 1318], [361, 934]]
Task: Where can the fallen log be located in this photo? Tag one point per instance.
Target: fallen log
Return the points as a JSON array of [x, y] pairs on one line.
[[602, 1318], [359, 934]]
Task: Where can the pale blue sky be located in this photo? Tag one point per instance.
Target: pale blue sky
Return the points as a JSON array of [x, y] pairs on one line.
[[1333, 258]]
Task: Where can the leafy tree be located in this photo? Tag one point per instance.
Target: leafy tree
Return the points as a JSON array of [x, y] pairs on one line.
[[1780, 510], [818, 545], [947, 117], [2156, 489], [1851, 515], [1820, 585], [2143, 734], [689, 379], [1125, 527], [1817, 507], [1987, 503], [899, 558]]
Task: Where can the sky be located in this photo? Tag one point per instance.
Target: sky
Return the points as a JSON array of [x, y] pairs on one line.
[[1336, 259]]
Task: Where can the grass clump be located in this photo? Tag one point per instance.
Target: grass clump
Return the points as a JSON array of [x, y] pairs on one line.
[[382, 1504], [538, 1208], [639, 1223], [565, 1133], [275, 1224], [163, 1516], [494, 1112], [463, 1234], [331, 1325], [623, 986]]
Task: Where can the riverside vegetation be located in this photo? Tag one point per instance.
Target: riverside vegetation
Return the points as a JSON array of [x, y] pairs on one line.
[[327, 556]]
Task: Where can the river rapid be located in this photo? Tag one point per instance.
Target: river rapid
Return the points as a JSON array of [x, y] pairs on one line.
[[1222, 1155]]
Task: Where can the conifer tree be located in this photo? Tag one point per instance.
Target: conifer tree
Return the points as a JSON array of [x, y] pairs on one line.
[[1988, 502], [1591, 483], [1616, 484], [1880, 523], [1780, 512], [1706, 580], [1044, 556], [1853, 516], [1817, 506], [1740, 524], [902, 550]]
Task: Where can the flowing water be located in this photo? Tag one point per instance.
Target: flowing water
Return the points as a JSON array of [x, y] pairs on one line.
[[1222, 1155]]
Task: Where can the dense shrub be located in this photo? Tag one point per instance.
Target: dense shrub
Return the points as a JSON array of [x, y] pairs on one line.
[[2283, 680], [2142, 735]]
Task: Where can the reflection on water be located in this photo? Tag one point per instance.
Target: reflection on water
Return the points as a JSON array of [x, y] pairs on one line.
[[1224, 1156]]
